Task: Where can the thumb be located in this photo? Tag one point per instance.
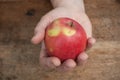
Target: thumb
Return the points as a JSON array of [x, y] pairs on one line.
[[40, 31]]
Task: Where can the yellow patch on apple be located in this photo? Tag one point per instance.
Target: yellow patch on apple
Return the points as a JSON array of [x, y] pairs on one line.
[[54, 31], [68, 32]]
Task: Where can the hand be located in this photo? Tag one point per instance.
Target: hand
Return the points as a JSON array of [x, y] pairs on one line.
[[54, 62]]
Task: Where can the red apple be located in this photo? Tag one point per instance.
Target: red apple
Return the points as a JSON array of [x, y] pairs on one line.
[[65, 38]]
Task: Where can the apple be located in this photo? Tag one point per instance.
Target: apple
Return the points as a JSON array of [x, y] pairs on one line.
[[65, 38]]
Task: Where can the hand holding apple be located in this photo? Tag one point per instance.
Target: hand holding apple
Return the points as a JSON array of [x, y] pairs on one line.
[[77, 15]]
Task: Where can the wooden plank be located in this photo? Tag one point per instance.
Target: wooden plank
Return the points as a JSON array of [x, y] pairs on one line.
[[19, 59], [10, 0]]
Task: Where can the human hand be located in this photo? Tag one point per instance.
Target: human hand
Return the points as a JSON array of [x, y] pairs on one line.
[[54, 62]]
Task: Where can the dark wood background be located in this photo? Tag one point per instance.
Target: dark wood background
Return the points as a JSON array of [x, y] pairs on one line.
[[19, 59]]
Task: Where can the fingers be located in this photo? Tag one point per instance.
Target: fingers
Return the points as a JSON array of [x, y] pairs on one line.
[[81, 59], [37, 38], [40, 30], [91, 42], [54, 62], [67, 65], [48, 62]]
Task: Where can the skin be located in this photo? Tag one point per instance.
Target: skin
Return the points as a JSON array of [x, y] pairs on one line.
[[63, 8]]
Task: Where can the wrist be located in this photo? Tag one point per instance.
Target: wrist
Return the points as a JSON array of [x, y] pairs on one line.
[[77, 5]]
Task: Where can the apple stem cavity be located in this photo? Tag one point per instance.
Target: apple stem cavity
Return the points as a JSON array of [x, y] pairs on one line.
[[71, 24]]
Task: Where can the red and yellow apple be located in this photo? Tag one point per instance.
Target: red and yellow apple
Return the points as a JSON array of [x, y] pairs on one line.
[[65, 38]]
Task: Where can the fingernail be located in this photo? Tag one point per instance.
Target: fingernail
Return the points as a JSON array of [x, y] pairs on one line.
[[33, 40], [56, 61], [92, 41], [83, 56], [70, 63], [82, 59]]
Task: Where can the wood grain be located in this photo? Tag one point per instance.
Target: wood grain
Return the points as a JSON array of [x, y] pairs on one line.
[[19, 58]]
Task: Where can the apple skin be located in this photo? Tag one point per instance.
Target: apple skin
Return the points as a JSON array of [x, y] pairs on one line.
[[65, 38]]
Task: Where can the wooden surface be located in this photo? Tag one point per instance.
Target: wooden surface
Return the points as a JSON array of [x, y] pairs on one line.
[[19, 59]]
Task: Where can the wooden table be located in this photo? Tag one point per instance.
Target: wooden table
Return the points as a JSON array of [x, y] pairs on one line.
[[19, 59]]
